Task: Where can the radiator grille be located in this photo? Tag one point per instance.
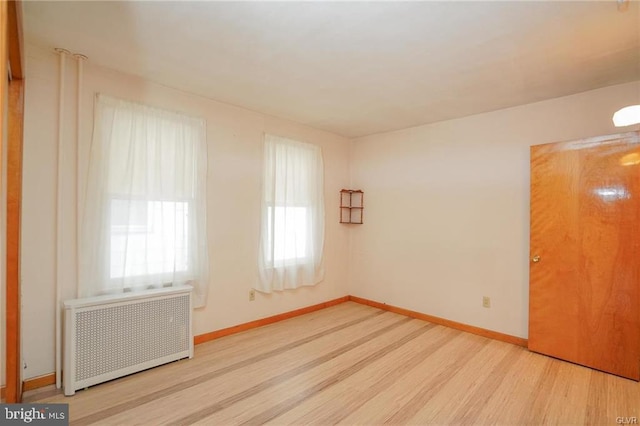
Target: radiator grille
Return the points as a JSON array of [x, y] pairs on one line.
[[117, 337]]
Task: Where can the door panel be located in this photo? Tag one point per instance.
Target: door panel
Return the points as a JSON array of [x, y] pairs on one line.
[[584, 302]]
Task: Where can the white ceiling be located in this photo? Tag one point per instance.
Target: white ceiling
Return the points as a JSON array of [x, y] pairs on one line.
[[354, 68]]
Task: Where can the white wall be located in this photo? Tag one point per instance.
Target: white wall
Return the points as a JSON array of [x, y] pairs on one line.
[[447, 207], [234, 137]]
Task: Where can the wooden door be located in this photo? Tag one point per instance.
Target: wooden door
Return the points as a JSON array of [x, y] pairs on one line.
[[584, 279]]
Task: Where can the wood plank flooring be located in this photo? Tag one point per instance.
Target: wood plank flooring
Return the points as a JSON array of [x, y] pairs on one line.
[[354, 364]]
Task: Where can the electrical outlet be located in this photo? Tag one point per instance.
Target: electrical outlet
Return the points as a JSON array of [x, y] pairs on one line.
[[486, 302], [252, 295]]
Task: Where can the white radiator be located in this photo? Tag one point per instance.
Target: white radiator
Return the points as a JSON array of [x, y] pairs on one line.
[[107, 337]]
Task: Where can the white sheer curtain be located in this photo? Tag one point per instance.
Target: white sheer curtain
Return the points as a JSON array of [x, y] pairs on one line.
[[144, 223], [292, 229]]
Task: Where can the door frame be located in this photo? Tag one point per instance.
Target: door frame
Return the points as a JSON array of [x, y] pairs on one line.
[[11, 52]]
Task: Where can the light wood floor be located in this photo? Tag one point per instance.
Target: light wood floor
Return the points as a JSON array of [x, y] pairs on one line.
[[353, 364]]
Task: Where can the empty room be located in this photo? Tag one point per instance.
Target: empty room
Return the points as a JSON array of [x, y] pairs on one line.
[[318, 212]]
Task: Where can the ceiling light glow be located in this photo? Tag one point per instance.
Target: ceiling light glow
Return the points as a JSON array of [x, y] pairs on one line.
[[627, 116]]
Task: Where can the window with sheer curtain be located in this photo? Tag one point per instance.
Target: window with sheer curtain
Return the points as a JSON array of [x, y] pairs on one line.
[[292, 229], [144, 222]]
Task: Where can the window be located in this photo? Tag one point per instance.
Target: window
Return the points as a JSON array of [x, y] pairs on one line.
[[288, 233], [148, 238], [292, 231], [144, 214]]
